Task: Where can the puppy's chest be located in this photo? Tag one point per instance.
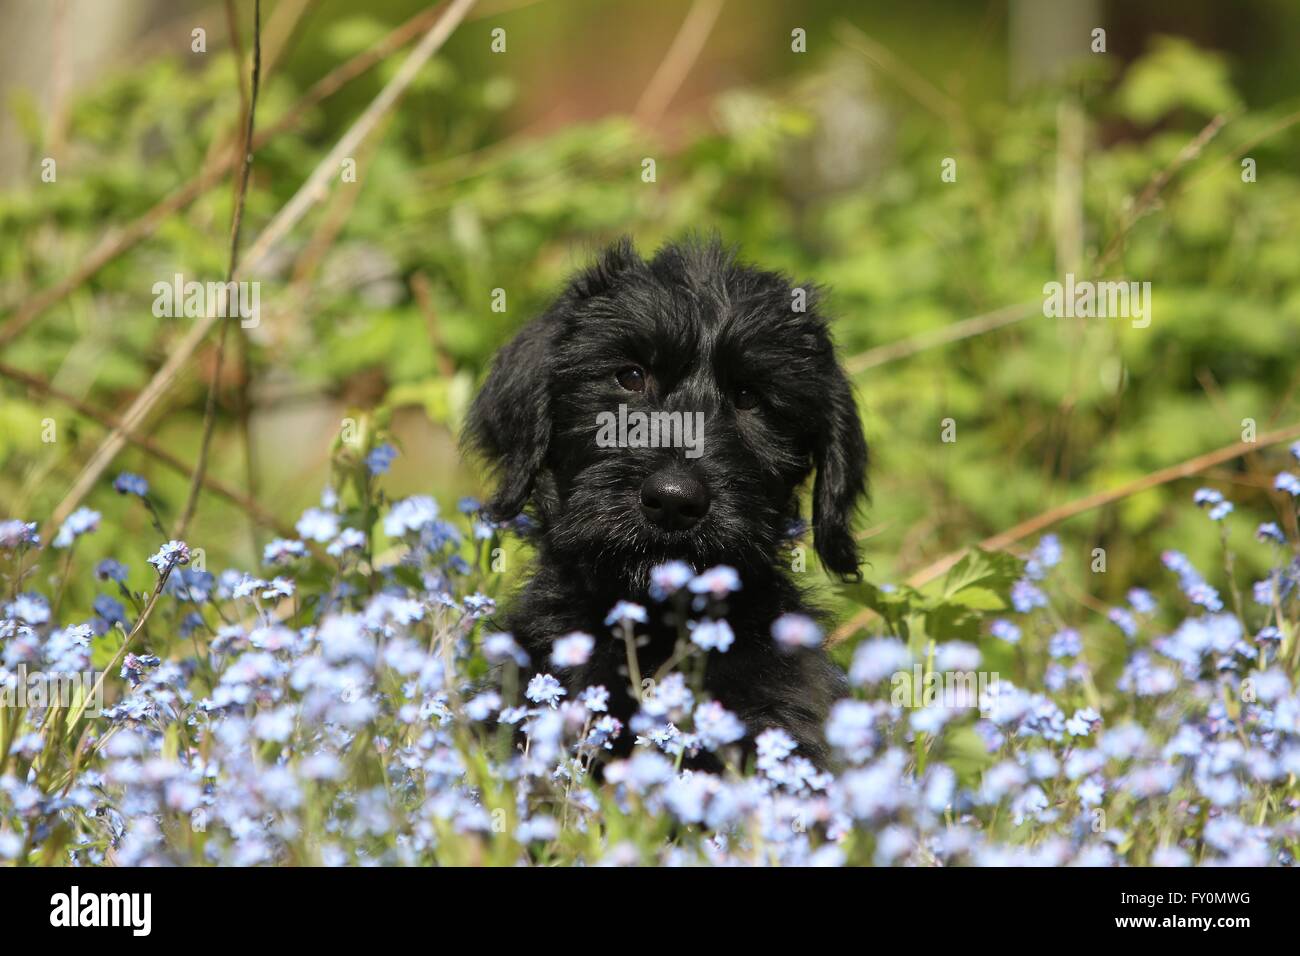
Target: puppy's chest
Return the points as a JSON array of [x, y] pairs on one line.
[[609, 665], [660, 651]]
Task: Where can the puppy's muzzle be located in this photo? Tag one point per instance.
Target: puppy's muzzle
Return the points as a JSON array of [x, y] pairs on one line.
[[674, 499]]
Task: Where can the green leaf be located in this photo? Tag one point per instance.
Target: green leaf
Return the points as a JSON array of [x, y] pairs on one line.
[[978, 599], [992, 571]]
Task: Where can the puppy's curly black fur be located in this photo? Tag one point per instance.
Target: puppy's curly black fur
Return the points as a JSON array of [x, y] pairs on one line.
[[692, 330]]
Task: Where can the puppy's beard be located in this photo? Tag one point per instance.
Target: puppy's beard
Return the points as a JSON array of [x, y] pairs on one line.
[[619, 547]]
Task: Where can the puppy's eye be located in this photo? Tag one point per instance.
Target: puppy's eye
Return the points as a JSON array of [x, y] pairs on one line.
[[631, 378], [745, 398]]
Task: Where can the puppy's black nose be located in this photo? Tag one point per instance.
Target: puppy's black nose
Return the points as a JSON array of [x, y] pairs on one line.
[[674, 499]]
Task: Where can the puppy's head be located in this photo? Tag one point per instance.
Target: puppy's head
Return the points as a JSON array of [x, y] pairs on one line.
[[671, 409]]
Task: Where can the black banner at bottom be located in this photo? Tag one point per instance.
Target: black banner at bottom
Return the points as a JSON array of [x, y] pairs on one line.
[[307, 905]]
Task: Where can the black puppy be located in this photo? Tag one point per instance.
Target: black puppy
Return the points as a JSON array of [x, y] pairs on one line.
[[736, 350]]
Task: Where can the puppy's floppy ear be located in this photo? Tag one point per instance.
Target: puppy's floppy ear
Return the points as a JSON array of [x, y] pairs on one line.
[[840, 454], [509, 422]]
